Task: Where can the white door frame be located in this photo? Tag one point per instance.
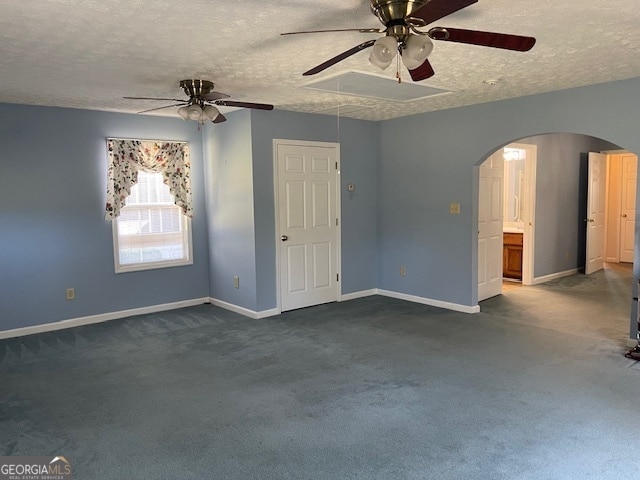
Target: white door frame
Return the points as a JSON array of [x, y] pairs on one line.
[[305, 143], [529, 194], [627, 222]]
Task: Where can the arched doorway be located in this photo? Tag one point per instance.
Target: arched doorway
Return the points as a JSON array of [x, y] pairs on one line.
[[554, 230]]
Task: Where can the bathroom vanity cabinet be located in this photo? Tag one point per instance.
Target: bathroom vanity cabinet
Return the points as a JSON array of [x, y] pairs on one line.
[[512, 255]]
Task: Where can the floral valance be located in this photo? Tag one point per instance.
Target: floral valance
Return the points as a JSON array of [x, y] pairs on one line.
[[126, 157]]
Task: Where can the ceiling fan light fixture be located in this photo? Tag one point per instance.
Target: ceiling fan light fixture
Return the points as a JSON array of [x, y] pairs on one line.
[[184, 113], [211, 112], [201, 105], [195, 112], [416, 50], [384, 51]]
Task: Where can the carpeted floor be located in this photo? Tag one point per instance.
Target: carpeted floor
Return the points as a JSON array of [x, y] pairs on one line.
[[533, 387]]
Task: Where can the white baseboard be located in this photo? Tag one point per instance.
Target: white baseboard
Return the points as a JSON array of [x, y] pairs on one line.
[[553, 276], [352, 296], [360, 294], [105, 317], [102, 317], [244, 311], [428, 301]]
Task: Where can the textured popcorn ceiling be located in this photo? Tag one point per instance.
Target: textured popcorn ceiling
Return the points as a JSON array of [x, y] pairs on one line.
[[89, 54]]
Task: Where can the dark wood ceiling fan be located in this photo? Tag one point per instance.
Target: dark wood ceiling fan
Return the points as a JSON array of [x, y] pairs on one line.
[[402, 20], [202, 102]]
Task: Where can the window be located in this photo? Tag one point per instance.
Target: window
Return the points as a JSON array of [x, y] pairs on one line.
[[151, 231]]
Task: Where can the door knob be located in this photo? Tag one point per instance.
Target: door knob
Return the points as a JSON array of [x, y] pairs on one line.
[[284, 238], [624, 215]]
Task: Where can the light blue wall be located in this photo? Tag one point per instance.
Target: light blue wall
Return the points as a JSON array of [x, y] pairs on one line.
[[422, 171], [229, 180], [407, 171], [52, 229], [430, 160], [559, 226], [359, 156]]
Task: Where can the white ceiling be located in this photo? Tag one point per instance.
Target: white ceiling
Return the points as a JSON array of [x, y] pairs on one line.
[[90, 53]]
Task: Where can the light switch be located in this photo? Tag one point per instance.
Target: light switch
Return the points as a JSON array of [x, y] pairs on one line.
[[454, 208]]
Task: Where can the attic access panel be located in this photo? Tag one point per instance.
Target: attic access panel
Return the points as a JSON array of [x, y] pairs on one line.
[[374, 86]]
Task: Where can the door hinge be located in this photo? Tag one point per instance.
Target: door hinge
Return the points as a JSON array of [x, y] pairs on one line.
[[337, 277], [336, 165], [336, 222]]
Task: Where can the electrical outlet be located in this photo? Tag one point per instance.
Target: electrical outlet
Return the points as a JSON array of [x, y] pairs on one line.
[[236, 282], [403, 271], [70, 293]]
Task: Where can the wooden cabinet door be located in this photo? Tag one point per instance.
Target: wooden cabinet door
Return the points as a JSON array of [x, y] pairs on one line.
[[512, 262], [512, 256]]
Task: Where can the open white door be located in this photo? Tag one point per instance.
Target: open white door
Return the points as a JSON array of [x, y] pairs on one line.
[[628, 207], [490, 227], [308, 237], [595, 212]]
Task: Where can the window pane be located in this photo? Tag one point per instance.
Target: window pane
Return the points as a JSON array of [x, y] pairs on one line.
[[165, 194], [155, 225], [143, 215], [170, 220], [151, 229]]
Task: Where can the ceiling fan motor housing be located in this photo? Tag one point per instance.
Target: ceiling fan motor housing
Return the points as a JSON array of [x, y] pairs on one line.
[[395, 10], [196, 89]]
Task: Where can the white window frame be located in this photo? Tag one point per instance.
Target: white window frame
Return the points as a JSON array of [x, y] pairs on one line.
[[152, 265]]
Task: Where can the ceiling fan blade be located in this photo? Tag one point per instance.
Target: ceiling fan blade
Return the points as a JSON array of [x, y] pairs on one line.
[[166, 106], [437, 9], [154, 98], [219, 119], [361, 30], [484, 39], [232, 103], [210, 97], [339, 58], [423, 72]]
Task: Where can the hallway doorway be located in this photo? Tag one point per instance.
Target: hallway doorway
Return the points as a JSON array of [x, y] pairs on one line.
[[559, 224]]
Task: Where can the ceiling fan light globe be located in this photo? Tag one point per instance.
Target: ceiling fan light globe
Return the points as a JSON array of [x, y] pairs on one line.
[[410, 63], [416, 51], [195, 112], [211, 112], [184, 113], [384, 51]]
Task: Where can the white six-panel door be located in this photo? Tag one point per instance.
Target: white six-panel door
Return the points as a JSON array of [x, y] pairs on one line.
[[490, 227], [307, 209], [628, 207], [595, 212]]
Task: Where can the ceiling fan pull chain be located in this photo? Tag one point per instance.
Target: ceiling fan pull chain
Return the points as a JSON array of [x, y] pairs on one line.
[[398, 76]]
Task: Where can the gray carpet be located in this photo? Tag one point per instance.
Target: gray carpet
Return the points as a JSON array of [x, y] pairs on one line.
[[533, 387]]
